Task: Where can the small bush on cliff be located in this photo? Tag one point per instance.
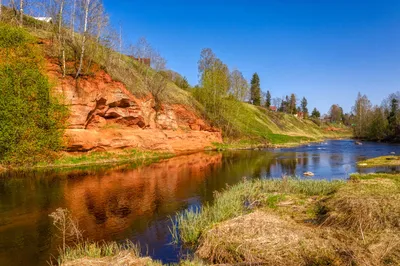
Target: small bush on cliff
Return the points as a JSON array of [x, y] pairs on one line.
[[31, 120], [12, 37]]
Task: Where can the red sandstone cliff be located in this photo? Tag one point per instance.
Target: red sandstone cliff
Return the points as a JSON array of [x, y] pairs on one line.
[[104, 115]]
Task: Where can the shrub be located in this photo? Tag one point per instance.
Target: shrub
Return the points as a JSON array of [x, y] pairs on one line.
[[31, 119], [11, 37]]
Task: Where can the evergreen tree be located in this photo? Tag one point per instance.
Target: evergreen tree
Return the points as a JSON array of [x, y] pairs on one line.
[[392, 118], [268, 100], [292, 104], [315, 113], [304, 108], [255, 90]]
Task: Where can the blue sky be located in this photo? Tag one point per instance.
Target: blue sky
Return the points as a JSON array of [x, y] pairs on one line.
[[326, 50]]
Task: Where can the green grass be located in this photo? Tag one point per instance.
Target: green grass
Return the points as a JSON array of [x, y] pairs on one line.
[[243, 198], [258, 125], [104, 157], [391, 160]]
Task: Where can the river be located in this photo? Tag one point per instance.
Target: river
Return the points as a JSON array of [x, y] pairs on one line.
[[124, 202]]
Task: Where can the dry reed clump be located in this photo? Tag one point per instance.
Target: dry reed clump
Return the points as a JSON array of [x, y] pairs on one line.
[[123, 258], [263, 238], [365, 206], [106, 253]]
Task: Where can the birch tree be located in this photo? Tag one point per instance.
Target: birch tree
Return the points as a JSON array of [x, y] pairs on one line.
[[73, 16], [239, 85], [61, 38], [85, 29], [21, 12]]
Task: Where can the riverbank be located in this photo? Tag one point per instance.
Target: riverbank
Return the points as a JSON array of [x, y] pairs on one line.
[[74, 160], [299, 222], [285, 142], [391, 160]]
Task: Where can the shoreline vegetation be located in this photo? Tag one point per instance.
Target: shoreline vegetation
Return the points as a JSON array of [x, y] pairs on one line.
[[281, 222], [298, 222], [67, 160], [390, 160]]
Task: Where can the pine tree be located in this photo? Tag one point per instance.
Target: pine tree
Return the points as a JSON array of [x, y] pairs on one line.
[[268, 100], [304, 108], [292, 104], [392, 118], [315, 113], [255, 90]]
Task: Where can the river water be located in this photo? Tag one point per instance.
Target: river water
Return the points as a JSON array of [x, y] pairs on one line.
[[123, 202]]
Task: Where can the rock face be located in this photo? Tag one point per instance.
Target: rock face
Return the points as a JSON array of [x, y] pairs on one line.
[[105, 115]]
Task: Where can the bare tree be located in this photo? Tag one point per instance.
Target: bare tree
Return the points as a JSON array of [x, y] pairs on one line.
[[99, 21], [153, 76], [73, 16], [85, 29], [66, 225]]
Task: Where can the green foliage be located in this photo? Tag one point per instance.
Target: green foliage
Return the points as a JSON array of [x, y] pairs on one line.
[[239, 86], [315, 113], [268, 100], [255, 89], [336, 113], [377, 122], [11, 37], [31, 120], [292, 104], [304, 108]]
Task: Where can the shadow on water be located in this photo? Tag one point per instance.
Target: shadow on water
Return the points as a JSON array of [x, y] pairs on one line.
[[126, 201]]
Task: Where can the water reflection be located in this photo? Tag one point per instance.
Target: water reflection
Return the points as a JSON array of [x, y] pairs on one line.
[[120, 202], [110, 204]]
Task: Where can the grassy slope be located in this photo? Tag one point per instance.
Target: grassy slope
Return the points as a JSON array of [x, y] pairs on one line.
[[260, 125], [299, 223]]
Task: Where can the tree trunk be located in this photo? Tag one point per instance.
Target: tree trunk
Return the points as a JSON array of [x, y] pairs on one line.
[[1, 7], [83, 39], [21, 12], [61, 39]]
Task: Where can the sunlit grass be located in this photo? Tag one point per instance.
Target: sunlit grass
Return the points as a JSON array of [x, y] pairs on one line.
[[105, 157], [242, 198], [390, 160]]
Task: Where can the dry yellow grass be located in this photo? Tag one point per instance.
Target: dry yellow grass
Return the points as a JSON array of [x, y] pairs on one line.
[[262, 238], [365, 205], [124, 258], [358, 223]]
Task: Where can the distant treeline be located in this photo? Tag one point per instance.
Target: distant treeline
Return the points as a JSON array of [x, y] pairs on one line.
[[380, 123]]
